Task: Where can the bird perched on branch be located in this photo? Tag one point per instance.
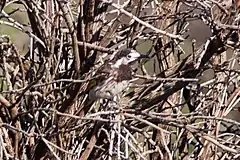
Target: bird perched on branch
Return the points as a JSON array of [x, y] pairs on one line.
[[116, 75]]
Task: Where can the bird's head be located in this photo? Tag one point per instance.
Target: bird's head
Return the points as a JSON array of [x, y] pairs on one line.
[[126, 57]]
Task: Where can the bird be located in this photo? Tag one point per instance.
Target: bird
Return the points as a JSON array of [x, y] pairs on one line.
[[116, 75]]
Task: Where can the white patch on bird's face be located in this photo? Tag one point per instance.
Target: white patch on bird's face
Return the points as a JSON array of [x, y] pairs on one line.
[[131, 57]]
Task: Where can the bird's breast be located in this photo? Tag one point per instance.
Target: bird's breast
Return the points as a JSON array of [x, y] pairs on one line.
[[108, 90]]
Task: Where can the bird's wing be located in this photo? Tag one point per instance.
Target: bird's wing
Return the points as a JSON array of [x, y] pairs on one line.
[[101, 74]]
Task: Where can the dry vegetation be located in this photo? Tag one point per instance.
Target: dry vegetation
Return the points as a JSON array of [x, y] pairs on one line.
[[175, 111]]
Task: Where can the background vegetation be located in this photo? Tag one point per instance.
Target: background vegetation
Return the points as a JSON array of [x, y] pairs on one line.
[[185, 101]]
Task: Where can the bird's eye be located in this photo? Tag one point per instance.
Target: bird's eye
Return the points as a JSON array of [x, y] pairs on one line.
[[129, 56]]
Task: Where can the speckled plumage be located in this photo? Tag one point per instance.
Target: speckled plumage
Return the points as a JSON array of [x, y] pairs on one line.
[[116, 82]]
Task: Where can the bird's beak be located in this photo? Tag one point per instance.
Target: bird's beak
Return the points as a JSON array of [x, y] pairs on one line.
[[144, 56]]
